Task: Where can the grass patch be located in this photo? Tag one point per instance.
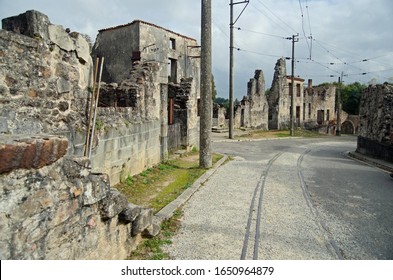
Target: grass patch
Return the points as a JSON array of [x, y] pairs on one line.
[[307, 133], [151, 249], [156, 187], [261, 134]]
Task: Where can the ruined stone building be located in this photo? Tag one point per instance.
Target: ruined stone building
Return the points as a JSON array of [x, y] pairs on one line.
[[252, 112], [55, 203], [314, 106], [177, 70]]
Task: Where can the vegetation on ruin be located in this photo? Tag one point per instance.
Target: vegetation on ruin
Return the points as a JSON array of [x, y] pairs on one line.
[[151, 249], [156, 187]]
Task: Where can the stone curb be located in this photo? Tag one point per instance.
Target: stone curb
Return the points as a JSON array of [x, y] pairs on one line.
[[254, 140], [168, 211], [370, 161]]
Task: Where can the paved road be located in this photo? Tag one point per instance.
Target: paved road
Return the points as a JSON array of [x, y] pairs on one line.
[[289, 199]]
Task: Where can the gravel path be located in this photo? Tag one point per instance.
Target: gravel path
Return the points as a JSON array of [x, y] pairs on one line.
[[221, 222]]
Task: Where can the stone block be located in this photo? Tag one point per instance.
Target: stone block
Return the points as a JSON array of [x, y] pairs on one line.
[[130, 213], [82, 48], [63, 85], [60, 37], [96, 189], [64, 211], [32, 23], [113, 204], [153, 230], [142, 222]]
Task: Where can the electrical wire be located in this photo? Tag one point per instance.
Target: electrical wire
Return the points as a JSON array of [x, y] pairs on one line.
[[258, 53], [277, 17], [262, 33], [304, 32]]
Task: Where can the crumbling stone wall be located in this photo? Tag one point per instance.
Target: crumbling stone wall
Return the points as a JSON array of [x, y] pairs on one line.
[[44, 78], [52, 204], [54, 207], [312, 106], [177, 58], [219, 113], [376, 122], [322, 101], [128, 125], [253, 109], [45, 83], [279, 102]]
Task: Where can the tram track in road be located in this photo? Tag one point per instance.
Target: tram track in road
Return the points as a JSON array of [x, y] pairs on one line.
[[258, 191], [252, 238]]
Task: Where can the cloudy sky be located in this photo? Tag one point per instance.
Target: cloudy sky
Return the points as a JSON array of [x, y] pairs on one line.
[[350, 36]]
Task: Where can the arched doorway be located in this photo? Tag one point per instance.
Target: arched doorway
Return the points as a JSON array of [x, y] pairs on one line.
[[347, 128]]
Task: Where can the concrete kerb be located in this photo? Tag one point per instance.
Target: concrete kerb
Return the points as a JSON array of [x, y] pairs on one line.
[[371, 161], [168, 211], [254, 140]]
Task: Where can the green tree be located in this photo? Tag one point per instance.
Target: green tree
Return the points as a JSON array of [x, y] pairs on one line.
[[223, 102], [350, 97]]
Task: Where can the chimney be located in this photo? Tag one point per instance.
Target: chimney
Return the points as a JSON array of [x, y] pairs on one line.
[[310, 83]]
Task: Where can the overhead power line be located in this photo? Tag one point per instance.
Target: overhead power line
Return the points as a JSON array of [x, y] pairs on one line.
[[262, 33], [258, 53], [276, 16], [304, 32]]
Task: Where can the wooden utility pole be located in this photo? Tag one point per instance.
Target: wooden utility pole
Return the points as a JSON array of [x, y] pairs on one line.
[[205, 154], [338, 130], [292, 113]]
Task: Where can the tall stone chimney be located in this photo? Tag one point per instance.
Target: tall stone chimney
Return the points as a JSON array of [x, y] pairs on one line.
[[309, 83]]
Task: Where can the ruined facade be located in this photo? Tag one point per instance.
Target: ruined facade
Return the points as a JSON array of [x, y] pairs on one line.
[[376, 122], [279, 102], [177, 55], [314, 106], [252, 112], [318, 105], [178, 68], [44, 77]]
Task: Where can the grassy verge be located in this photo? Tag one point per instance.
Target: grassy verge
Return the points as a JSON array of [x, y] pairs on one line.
[[151, 249], [261, 134], [158, 186]]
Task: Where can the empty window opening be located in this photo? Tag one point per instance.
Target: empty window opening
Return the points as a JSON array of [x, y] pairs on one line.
[[298, 115], [327, 115], [170, 110], [172, 43], [304, 111], [172, 71], [320, 116], [298, 90], [309, 110]]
